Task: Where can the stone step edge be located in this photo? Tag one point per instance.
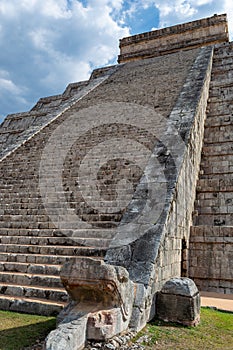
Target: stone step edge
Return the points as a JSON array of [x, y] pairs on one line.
[[70, 238], [207, 228], [53, 289], [33, 300], [220, 143], [92, 85], [214, 190], [211, 127], [213, 214], [214, 173], [210, 240], [54, 230], [216, 143], [31, 275], [29, 264], [53, 246], [207, 156], [49, 256]]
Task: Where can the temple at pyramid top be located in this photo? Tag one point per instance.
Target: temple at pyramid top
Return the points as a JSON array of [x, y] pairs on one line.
[[203, 32]]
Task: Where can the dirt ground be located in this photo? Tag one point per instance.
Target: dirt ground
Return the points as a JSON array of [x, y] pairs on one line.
[[220, 301]]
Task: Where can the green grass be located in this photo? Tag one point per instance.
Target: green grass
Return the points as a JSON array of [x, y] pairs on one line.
[[21, 330], [215, 332]]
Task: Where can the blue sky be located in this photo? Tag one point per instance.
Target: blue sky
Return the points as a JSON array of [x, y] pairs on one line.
[[47, 44]]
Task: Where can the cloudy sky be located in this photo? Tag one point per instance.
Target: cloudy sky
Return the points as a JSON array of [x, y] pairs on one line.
[[47, 44]]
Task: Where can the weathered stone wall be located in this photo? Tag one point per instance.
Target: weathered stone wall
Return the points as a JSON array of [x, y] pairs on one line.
[[211, 258], [208, 31], [211, 252]]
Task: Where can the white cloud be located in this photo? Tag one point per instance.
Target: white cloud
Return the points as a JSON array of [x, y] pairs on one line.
[[47, 44], [11, 92], [7, 85], [201, 2], [228, 8], [179, 11]]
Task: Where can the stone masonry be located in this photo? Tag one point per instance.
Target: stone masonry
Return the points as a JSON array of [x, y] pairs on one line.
[[208, 31], [120, 184], [212, 231]]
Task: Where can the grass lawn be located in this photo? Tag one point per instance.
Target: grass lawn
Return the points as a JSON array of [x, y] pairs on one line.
[[21, 330], [215, 332]]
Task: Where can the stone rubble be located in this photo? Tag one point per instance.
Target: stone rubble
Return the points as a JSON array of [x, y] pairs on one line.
[[121, 342]]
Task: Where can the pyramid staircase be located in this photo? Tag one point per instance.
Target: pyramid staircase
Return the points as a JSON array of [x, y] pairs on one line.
[[32, 249], [210, 255], [33, 245]]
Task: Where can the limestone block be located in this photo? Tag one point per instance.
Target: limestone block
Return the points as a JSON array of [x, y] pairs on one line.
[[104, 324], [69, 336], [179, 301], [101, 294], [88, 279]]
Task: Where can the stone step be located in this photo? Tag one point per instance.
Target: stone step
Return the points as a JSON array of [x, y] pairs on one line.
[[224, 83], [26, 200], [52, 250], [222, 79], [220, 63], [220, 107], [55, 294], [19, 216], [9, 223], [216, 168], [222, 71], [216, 149], [216, 204], [216, 164], [37, 258], [221, 95], [34, 258], [223, 51], [223, 128], [213, 219], [218, 121], [216, 159], [223, 197], [32, 240], [213, 208], [218, 135], [28, 279], [211, 233], [82, 233], [221, 57], [225, 186], [57, 241], [223, 74], [30, 268], [218, 183], [30, 305]]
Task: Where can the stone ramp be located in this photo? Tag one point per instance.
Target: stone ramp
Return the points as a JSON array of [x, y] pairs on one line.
[[211, 235]]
